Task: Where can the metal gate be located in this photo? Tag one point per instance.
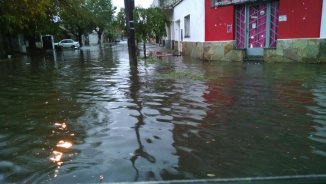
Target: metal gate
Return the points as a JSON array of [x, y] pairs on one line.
[[256, 27]]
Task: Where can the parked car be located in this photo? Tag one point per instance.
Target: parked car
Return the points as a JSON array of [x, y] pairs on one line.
[[67, 43]]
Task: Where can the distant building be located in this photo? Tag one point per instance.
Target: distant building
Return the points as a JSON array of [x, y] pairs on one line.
[[93, 38], [230, 30]]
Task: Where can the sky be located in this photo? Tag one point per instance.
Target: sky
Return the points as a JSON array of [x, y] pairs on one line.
[[143, 3]]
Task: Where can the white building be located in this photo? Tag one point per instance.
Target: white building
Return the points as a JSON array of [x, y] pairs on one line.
[[189, 22]]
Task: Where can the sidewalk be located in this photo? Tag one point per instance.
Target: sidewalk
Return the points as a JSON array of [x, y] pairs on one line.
[[158, 51]]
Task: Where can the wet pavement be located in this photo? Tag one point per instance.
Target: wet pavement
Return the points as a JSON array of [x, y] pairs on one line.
[[85, 116]]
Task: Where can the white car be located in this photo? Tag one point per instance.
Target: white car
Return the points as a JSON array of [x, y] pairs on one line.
[[68, 43]]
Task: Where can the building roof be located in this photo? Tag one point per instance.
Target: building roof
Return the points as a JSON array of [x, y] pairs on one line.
[[166, 4]]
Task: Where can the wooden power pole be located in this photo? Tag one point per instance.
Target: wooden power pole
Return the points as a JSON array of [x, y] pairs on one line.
[[129, 9]]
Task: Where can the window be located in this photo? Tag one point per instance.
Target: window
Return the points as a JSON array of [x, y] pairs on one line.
[[187, 26]]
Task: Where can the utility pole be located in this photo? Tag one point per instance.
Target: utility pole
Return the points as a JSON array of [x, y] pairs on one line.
[[129, 9]]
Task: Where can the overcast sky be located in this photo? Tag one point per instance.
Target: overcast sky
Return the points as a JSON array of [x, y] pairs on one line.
[[142, 3]]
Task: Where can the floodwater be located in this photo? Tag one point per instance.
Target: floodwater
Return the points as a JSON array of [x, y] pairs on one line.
[[85, 116]]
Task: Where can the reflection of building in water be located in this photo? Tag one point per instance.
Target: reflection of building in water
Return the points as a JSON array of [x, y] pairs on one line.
[[220, 100], [249, 121]]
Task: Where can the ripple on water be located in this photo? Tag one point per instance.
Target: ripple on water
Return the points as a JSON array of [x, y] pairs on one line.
[[150, 112], [131, 127], [318, 113]]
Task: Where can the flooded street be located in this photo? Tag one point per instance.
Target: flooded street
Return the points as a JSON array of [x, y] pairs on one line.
[[85, 116]]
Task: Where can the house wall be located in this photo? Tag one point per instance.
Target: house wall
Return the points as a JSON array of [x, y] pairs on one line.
[[300, 14], [219, 34], [307, 50], [303, 19], [218, 21], [196, 10], [299, 35], [155, 3], [93, 38]]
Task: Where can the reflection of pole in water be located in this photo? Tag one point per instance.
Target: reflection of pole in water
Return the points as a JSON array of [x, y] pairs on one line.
[[55, 59], [140, 152]]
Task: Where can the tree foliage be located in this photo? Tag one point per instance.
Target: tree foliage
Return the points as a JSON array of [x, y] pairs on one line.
[[23, 15], [102, 15], [120, 23], [75, 18], [44, 16], [150, 23]]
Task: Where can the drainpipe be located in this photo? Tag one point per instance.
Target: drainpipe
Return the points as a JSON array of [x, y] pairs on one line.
[[323, 21]]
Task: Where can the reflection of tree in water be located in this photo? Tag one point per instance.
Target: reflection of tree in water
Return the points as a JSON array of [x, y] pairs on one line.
[[140, 152]]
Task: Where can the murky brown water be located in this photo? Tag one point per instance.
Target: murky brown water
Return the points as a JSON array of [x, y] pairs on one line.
[[89, 117]]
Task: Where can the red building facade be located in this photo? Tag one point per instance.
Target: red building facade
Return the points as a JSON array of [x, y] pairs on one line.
[[278, 30]]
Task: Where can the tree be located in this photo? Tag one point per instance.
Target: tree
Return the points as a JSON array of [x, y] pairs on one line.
[[76, 18], [22, 16], [102, 13], [120, 23], [83, 16], [150, 23], [159, 22], [17, 15]]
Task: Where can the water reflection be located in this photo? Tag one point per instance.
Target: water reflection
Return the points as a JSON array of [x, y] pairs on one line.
[[64, 144], [60, 148], [91, 118], [134, 95]]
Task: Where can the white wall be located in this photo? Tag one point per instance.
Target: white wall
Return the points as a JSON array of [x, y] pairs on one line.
[[155, 3], [196, 10], [323, 21], [93, 39]]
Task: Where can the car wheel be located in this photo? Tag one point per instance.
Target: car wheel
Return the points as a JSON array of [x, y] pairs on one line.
[[73, 46]]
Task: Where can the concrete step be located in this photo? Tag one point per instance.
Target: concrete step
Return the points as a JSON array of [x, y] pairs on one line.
[[254, 59]]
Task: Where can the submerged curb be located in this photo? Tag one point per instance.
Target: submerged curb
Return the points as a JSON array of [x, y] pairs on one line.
[[302, 179]]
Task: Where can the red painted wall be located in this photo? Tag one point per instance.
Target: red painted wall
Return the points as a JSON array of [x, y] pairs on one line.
[[303, 18], [216, 21]]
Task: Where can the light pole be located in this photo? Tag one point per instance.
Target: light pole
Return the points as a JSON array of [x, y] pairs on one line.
[[129, 9]]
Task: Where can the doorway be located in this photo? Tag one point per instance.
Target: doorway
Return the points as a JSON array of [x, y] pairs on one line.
[[179, 36], [256, 27]]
